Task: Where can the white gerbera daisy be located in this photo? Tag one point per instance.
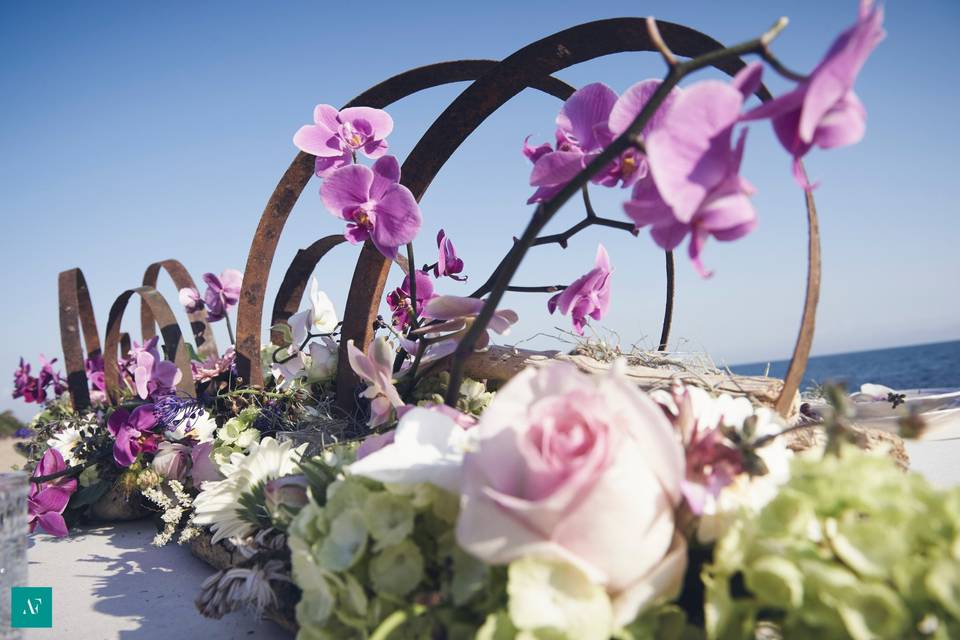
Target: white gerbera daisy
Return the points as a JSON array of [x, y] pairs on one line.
[[66, 442], [218, 503]]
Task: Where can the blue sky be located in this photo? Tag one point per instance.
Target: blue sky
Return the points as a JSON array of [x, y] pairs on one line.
[[133, 132]]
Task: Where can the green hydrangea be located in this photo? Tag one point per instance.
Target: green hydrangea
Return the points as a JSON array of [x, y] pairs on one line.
[[850, 547], [363, 553], [474, 396]]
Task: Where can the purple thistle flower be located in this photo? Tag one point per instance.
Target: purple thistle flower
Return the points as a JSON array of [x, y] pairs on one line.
[[374, 205], [823, 110], [172, 410], [23, 432], [222, 294], [448, 264], [399, 299], [588, 295], [336, 136], [47, 501]]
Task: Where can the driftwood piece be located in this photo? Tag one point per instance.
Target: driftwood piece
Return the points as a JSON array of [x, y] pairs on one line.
[[870, 440], [499, 364]]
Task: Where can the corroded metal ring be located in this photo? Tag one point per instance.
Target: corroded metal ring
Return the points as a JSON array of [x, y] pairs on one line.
[[76, 312], [202, 334], [173, 345]]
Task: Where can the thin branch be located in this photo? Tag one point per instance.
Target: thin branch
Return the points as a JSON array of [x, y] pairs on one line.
[[553, 288], [668, 308], [59, 474], [780, 68], [654, 32], [546, 210]]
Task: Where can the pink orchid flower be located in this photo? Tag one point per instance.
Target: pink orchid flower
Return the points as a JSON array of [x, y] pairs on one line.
[[132, 433], [588, 295], [374, 204], [46, 502], [152, 375], [376, 369], [457, 315], [823, 110], [694, 186], [336, 136]]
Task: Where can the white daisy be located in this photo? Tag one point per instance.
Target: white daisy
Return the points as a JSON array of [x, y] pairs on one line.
[[218, 503], [66, 442]]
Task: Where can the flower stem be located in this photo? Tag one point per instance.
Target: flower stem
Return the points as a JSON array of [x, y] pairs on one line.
[[668, 308], [552, 288], [393, 621], [546, 210], [59, 474], [226, 317]]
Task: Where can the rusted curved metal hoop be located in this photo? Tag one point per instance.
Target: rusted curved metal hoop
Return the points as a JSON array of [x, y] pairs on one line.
[[295, 280], [527, 67], [173, 343], [291, 185], [202, 334], [479, 100], [76, 313]]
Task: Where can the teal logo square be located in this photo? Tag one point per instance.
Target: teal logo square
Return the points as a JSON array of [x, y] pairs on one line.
[[31, 607]]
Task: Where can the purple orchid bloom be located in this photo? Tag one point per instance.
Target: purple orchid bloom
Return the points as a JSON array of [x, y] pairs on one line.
[[376, 369], [694, 184], [374, 204], [191, 299], [152, 375], [448, 264], [457, 314], [336, 136], [399, 299], [222, 294], [588, 295], [25, 385], [47, 501], [132, 434], [590, 120], [95, 374], [823, 110], [48, 376], [581, 135]]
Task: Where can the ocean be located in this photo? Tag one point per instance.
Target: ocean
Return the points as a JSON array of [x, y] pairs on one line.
[[916, 367]]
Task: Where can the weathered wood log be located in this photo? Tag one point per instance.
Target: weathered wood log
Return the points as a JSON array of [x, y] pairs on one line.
[[499, 364], [814, 436]]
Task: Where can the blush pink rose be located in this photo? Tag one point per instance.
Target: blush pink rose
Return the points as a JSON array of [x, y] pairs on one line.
[[583, 469]]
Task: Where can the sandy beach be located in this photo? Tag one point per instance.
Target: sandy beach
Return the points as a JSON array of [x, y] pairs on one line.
[[8, 455]]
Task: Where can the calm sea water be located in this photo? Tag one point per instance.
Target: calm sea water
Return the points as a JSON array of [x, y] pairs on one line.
[[916, 367]]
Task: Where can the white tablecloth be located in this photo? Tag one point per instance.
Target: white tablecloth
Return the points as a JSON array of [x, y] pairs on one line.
[[110, 582]]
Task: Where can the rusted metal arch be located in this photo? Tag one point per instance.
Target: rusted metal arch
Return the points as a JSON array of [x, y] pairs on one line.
[[295, 281], [291, 185], [527, 67], [76, 313], [202, 334], [173, 344], [483, 97]]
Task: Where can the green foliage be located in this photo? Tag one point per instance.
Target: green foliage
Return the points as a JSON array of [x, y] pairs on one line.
[[851, 547], [363, 552]]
